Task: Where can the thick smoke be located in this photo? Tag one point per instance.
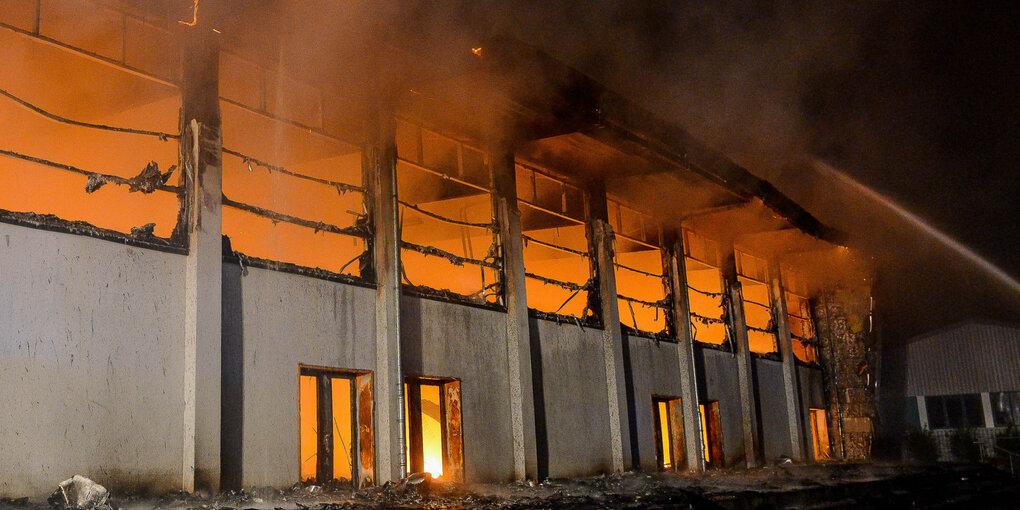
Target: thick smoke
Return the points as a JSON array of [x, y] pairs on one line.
[[915, 102]]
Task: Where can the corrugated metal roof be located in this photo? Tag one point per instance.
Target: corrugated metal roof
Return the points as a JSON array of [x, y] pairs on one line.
[[968, 358]]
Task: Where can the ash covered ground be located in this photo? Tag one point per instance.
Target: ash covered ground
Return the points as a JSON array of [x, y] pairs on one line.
[[829, 486]]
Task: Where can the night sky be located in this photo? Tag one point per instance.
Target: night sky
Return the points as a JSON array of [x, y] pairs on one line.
[[918, 102]]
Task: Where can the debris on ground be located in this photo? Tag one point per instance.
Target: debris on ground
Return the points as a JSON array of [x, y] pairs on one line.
[[788, 485], [79, 493]]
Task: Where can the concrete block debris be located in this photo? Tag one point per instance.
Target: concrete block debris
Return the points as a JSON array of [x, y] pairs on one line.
[[79, 493]]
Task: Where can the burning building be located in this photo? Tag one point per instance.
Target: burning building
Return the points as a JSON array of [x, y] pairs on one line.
[[227, 263]]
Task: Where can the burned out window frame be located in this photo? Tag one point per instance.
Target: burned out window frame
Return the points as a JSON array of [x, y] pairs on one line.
[[801, 293], [592, 312], [363, 226], [494, 258], [695, 318], [361, 229], [772, 326], [150, 178], [664, 305]]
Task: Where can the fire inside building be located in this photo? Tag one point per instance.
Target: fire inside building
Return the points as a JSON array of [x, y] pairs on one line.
[[225, 266]]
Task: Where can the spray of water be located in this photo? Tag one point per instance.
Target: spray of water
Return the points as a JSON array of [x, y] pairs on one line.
[[979, 261]]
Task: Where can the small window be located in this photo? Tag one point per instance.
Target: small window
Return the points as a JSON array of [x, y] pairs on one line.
[[335, 410], [669, 435], [820, 434], [433, 427], [711, 434]]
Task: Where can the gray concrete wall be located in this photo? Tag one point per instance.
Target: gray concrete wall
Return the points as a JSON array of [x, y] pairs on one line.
[[91, 363], [571, 401], [653, 371], [442, 339], [273, 321], [717, 380], [773, 423]]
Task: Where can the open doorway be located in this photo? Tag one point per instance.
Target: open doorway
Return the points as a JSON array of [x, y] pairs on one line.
[[820, 434], [669, 433], [711, 434], [433, 427], [335, 429]]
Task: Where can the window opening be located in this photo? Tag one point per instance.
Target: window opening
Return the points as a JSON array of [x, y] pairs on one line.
[[705, 289], [558, 264], [332, 405], [669, 434], [293, 193], [433, 428], [96, 146], [711, 434], [798, 309], [955, 411], [641, 283], [753, 275], [449, 238], [820, 434]]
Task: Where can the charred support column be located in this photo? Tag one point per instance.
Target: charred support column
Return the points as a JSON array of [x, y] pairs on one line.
[[518, 334], [738, 329], [201, 151], [601, 239], [389, 387], [676, 265], [791, 392]]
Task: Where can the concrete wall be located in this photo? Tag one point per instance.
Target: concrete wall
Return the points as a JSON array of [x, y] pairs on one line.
[[571, 402], [772, 424], [273, 321], [717, 380], [91, 362], [468, 343], [653, 370]]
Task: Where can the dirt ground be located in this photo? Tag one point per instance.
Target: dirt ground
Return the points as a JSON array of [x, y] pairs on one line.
[[865, 485]]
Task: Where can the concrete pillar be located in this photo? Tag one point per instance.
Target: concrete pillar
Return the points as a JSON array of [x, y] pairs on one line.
[[676, 266], [201, 151], [742, 351], [518, 334], [600, 238], [389, 388], [791, 386], [748, 402]]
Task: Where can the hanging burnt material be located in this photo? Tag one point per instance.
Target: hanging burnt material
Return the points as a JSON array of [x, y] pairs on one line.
[[450, 247], [94, 213]]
